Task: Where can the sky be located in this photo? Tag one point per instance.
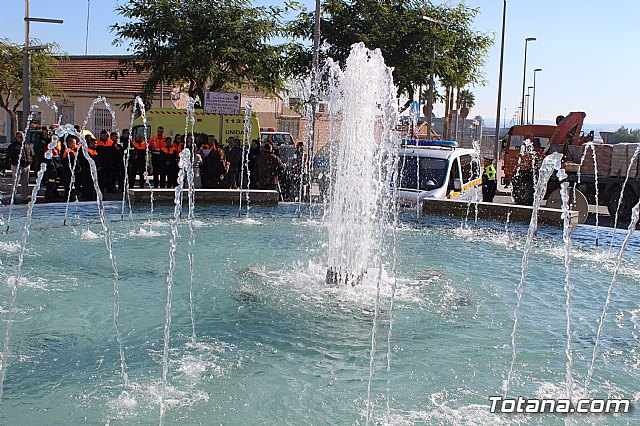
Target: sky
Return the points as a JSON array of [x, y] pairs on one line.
[[586, 48]]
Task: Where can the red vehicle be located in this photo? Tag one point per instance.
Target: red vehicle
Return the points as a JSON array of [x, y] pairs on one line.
[[612, 164]]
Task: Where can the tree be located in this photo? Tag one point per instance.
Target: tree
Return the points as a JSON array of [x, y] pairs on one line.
[[42, 70], [205, 45], [466, 100], [406, 40], [624, 135]]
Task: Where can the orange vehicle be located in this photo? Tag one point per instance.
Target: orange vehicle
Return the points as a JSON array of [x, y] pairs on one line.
[[614, 177], [520, 163]]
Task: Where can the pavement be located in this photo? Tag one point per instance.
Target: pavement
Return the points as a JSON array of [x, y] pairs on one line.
[[503, 195]]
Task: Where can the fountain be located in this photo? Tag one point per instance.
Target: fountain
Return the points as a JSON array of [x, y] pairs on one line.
[[416, 323]]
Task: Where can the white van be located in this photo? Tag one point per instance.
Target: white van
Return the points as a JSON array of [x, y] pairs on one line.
[[437, 169]]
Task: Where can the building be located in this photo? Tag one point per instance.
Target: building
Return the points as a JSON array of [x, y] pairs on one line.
[[84, 78]]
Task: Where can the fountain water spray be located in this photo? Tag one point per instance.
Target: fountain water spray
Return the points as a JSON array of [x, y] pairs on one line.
[[635, 214], [568, 286], [246, 139], [190, 120], [624, 185], [365, 164], [16, 280], [51, 104], [550, 164], [587, 146], [185, 159], [66, 130], [137, 103], [18, 170]]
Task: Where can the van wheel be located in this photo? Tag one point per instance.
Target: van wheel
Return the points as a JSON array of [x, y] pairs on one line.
[[629, 200], [522, 188]]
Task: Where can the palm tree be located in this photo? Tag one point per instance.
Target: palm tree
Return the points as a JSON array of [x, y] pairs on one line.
[[467, 100]]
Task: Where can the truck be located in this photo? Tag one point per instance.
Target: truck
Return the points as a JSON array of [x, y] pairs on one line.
[[525, 146], [173, 121]]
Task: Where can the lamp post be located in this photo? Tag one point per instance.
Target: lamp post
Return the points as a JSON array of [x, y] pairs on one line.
[[497, 136], [524, 75], [26, 61], [533, 102], [528, 97], [433, 63]]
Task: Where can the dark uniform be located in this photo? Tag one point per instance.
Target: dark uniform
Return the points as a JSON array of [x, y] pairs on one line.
[[489, 183]]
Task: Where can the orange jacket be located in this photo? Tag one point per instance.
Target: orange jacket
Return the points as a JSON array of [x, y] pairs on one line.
[[107, 143], [156, 143], [140, 146]]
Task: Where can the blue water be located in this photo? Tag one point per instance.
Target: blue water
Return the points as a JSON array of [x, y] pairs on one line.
[[277, 346]]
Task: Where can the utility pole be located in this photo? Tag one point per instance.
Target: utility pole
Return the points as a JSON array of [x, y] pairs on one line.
[[431, 83], [26, 61], [497, 136]]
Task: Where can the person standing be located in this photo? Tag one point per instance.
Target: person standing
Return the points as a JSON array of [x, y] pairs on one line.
[[69, 158], [217, 167], [489, 182], [121, 150], [234, 157], [156, 143], [20, 166], [137, 160], [106, 148], [268, 169], [88, 189]]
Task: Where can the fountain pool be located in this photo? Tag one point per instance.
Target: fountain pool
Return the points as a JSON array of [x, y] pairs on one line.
[[275, 344]]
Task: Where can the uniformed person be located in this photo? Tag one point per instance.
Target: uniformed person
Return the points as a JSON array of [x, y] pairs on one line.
[[489, 182]]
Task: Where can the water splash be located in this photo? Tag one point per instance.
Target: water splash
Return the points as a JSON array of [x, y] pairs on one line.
[[587, 146], [635, 214], [190, 120], [361, 200], [51, 104], [137, 103], [624, 185], [14, 284], [246, 139], [96, 101], [549, 165], [19, 170], [67, 130], [185, 157], [568, 286]]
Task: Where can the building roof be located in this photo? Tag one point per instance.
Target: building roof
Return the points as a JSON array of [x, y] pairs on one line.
[[91, 74]]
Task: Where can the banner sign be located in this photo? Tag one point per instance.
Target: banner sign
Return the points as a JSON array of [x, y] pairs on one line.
[[222, 103]]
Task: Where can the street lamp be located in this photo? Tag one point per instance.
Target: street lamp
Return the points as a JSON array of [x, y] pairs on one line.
[[26, 61], [433, 62], [528, 97], [497, 136], [524, 75], [533, 102]]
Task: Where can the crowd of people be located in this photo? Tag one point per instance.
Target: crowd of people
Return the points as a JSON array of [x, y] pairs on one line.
[[153, 163]]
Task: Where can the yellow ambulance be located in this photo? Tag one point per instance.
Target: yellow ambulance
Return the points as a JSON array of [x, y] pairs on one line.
[[173, 121]]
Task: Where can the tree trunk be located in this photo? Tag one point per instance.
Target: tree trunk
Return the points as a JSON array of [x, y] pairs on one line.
[[14, 123], [457, 112], [450, 126], [445, 123]]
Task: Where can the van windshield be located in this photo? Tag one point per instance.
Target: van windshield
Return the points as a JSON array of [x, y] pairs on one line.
[[277, 138], [431, 173]]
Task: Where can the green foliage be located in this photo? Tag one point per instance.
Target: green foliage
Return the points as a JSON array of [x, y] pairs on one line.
[[42, 70], [624, 135], [406, 40], [205, 45], [467, 98]]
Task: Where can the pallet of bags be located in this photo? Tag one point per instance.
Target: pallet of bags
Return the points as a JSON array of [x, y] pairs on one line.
[[603, 158], [622, 154]]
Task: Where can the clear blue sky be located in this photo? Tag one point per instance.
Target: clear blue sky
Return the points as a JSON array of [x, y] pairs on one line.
[[586, 48]]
